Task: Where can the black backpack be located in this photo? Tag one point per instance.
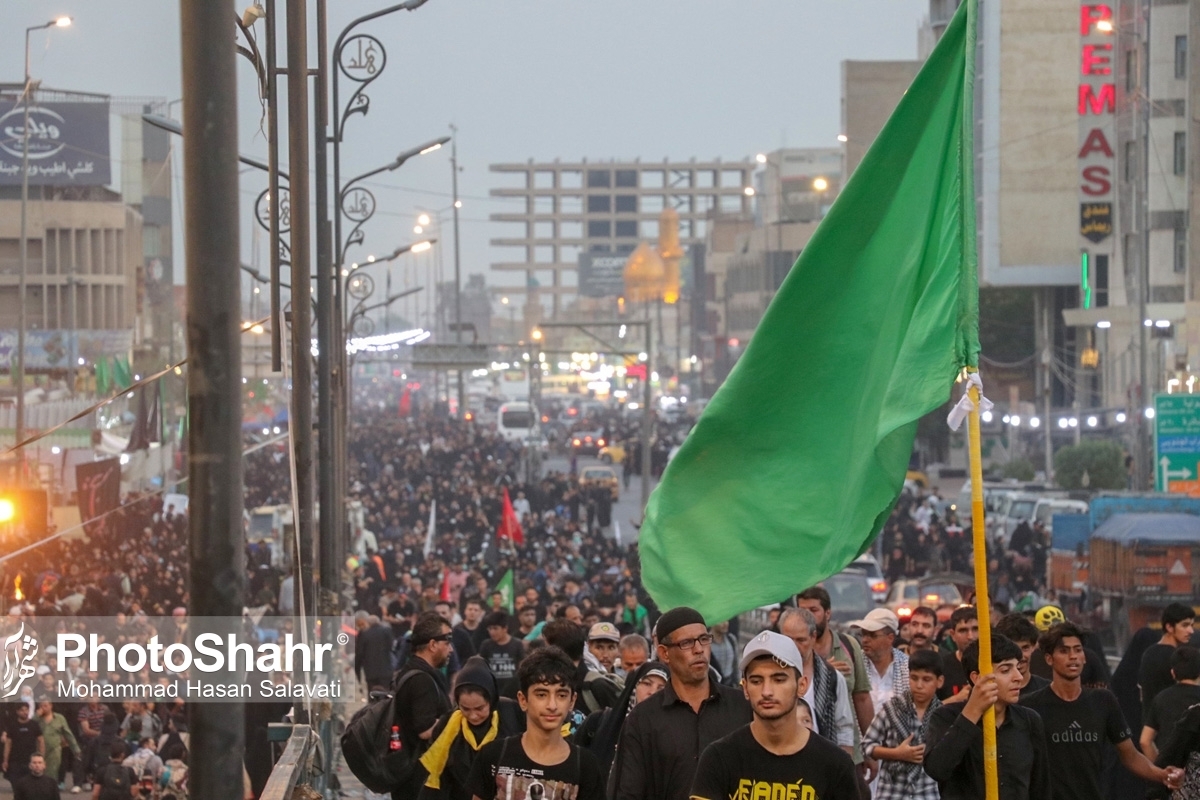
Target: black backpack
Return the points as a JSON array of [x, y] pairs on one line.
[[365, 745], [115, 782]]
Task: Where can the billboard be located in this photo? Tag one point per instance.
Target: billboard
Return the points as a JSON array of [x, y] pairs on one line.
[[68, 144], [52, 348], [602, 274]]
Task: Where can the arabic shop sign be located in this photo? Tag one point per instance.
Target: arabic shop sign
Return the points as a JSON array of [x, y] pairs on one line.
[[68, 144]]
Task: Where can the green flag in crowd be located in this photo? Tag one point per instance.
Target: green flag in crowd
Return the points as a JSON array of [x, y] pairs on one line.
[[505, 588], [798, 460]]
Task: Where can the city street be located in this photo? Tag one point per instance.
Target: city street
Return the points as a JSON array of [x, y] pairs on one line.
[[627, 511]]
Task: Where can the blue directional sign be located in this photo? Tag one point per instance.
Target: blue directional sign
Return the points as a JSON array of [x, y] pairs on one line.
[[1177, 443]]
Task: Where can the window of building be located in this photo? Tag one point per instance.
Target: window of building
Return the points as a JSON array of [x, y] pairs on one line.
[[600, 248], [650, 229], [599, 178], [652, 203], [570, 179], [625, 249], [570, 230], [543, 230], [543, 204], [1100, 282], [599, 203], [654, 179], [1180, 153], [627, 204], [599, 229], [1180, 57], [1180, 250], [570, 204], [1130, 159], [627, 178], [627, 229]]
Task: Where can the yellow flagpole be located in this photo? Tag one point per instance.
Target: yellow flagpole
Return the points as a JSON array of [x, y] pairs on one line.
[[991, 776]]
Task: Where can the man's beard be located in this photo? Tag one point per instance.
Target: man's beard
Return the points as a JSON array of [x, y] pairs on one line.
[[821, 626]]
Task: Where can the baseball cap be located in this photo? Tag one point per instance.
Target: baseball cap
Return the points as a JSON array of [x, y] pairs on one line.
[[606, 631], [776, 645], [877, 620]]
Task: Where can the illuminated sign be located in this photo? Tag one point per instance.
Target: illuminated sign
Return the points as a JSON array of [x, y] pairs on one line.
[[1097, 101]]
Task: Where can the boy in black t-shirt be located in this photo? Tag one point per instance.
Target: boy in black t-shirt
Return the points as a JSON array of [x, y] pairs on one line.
[[774, 756], [1173, 702], [1080, 721], [539, 764], [1154, 673]]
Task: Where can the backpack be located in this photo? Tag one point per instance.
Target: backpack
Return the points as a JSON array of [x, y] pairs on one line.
[[115, 782], [365, 744], [589, 696]]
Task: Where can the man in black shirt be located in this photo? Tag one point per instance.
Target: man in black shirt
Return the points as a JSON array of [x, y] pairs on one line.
[[774, 752], [470, 633], [1025, 635], [37, 785], [372, 651], [1079, 721], [1172, 703], [422, 698], [964, 629], [1155, 672], [954, 741], [502, 652], [22, 738], [664, 735]]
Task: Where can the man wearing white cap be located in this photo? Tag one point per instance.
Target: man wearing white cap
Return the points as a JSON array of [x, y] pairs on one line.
[[887, 667], [774, 755]]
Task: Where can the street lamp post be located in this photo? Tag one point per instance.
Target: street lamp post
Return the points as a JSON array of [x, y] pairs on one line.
[[19, 372]]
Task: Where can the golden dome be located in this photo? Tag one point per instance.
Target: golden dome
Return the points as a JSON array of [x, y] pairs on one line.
[[644, 274]]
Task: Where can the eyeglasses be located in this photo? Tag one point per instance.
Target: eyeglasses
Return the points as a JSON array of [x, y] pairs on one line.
[[703, 640]]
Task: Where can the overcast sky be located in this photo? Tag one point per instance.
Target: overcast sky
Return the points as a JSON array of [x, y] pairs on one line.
[[521, 79]]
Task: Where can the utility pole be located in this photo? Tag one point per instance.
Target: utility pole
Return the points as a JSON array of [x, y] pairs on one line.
[[647, 414], [302, 378], [217, 546], [329, 494], [1144, 454], [462, 404]]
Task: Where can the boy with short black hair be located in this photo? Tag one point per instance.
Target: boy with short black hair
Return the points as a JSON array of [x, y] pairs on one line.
[[1173, 702], [1081, 722], [954, 742], [775, 754], [1154, 673], [964, 629], [539, 763], [1024, 634], [896, 738]]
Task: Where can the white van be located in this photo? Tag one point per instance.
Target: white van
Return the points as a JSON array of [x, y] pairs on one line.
[[517, 421]]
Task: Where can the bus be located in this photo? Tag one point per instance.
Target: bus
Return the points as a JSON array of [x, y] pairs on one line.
[[517, 421]]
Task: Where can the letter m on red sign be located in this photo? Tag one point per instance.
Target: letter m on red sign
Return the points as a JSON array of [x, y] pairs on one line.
[[1092, 101]]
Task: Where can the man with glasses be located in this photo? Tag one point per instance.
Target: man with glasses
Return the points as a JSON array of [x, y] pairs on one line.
[[664, 735], [423, 698]]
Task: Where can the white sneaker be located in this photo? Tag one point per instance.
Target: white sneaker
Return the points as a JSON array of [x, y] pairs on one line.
[[75, 790]]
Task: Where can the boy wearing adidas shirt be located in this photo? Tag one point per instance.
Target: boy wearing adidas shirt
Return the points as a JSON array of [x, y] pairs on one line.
[[1080, 721], [774, 756]]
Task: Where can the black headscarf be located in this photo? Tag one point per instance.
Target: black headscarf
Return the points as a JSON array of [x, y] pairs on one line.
[[604, 744]]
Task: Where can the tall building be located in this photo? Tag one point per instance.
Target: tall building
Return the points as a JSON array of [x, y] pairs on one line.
[[1138, 163], [85, 261], [570, 211]]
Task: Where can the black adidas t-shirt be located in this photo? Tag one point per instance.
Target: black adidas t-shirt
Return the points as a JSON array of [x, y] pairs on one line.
[[1076, 733], [502, 770], [738, 766]]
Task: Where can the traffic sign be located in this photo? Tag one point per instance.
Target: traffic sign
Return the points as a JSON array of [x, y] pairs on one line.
[[1177, 443], [451, 355]]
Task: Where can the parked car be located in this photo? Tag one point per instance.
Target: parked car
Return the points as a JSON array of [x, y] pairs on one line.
[[587, 443], [908, 593], [850, 596], [600, 476], [868, 566], [613, 453]]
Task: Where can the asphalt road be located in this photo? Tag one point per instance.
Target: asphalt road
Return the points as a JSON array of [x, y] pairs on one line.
[[627, 511]]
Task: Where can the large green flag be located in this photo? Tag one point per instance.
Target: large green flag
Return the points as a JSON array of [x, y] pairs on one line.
[[796, 463]]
